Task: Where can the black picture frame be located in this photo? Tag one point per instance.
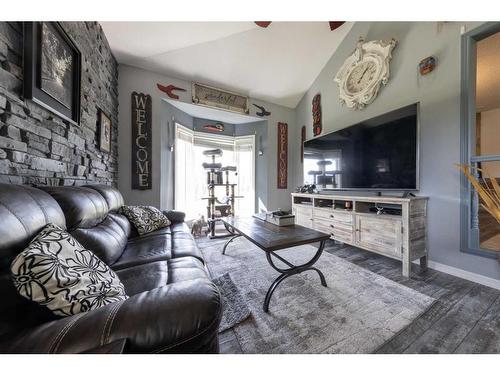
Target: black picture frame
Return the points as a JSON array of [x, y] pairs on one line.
[[66, 101], [105, 127]]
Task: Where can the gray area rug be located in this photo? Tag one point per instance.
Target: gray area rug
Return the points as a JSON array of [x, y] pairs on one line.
[[234, 307], [357, 313]]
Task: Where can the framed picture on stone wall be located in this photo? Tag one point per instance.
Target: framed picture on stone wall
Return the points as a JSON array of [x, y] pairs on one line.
[[104, 132], [52, 68]]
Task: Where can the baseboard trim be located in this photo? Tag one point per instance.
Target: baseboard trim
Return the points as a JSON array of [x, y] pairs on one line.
[[458, 272]]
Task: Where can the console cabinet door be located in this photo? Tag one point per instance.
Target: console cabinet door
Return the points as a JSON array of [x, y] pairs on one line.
[[303, 216], [382, 235]]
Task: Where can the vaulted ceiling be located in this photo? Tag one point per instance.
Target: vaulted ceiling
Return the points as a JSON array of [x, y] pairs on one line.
[[275, 64]]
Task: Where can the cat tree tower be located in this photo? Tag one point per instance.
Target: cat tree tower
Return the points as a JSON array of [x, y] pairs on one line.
[[219, 208]]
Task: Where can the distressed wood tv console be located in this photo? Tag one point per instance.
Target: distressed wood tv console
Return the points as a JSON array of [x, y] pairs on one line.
[[399, 231]]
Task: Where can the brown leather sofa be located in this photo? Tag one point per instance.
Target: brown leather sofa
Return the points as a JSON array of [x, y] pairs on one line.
[[173, 306]]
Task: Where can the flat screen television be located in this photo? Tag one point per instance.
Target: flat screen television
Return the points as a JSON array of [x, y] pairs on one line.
[[376, 154]]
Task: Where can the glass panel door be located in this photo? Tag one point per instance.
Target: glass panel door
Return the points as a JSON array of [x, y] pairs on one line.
[[244, 150], [485, 142]]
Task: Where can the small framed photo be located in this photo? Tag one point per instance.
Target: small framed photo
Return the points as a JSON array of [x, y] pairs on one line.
[[52, 68], [104, 132]]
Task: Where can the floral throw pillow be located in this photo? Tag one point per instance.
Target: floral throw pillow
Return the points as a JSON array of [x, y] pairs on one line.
[[145, 218], [56, 271]]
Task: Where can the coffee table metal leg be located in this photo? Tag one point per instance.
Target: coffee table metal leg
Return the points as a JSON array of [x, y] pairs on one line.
[[321, 276], [293, 270], [270, 291], [228, 241]]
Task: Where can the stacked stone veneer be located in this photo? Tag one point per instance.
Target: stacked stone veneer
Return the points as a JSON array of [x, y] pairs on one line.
[[38, 147]]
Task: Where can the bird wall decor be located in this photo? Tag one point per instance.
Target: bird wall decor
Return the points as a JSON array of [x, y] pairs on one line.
[[168, 90], [263, 112]]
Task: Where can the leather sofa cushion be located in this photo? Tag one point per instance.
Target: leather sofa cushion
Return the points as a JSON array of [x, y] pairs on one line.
[[108, 239], [172, 228], [153, 248], [140, 278], [83, 207], [113, 197], [179, 227], [24, 211], [181, 317], [175, 216], [89, 221]]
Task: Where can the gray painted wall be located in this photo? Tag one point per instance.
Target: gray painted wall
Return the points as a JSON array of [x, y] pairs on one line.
[[135, 79], [439, 97]]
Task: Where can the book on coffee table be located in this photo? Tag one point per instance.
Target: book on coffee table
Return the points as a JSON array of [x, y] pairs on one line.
[[279, 218]]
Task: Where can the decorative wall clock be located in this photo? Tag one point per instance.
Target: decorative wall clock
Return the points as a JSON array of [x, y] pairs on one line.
[[363, 72]]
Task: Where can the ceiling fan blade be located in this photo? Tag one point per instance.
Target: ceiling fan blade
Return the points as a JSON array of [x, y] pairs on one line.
[[263, 24], [335, 24]]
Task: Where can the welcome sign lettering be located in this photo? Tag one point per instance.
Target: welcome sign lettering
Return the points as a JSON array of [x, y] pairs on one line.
[[282, 155], [141, 141]]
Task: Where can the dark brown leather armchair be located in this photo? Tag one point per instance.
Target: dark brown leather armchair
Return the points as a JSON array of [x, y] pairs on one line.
[[173, 305]]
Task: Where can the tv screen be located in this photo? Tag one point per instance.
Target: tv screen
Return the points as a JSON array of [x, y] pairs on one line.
[[377, 154]]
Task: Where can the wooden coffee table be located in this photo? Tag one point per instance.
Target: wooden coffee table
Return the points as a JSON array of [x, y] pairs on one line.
[[271, 238]]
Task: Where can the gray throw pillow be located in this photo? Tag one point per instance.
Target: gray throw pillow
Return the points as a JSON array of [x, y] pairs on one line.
[[145, 218], [56, 271]]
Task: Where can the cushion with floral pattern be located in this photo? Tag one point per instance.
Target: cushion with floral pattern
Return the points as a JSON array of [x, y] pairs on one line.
[[56, 271], [145, 218]]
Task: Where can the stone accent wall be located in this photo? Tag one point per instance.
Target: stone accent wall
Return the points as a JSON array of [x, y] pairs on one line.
[[38, 147]]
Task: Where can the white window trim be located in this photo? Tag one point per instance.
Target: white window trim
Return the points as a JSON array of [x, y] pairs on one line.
[[179, 128]]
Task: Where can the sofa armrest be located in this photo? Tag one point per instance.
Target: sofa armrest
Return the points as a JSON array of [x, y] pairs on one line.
[[181, 318], [175, 216]]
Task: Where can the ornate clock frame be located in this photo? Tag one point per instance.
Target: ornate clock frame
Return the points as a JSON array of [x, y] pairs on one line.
[[376, 51]]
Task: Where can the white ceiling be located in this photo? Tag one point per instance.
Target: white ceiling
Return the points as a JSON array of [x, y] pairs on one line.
[[277, 64], [213, 114], [488, 73]]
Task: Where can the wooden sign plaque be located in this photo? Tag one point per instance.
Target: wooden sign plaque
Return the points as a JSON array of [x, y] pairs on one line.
[[282, 155], [141, 141]]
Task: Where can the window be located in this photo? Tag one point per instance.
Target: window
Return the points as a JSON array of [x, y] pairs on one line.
[[480, 133], [191, 177], [184, 180]]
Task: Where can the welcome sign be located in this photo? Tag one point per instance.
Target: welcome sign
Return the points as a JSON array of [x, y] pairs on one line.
[[141, 141], [282, 155]]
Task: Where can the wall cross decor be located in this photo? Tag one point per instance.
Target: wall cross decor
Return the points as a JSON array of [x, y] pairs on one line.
[[316, 113]]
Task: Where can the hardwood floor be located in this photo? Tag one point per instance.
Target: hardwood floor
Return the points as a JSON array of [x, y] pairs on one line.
[[465, 318]]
